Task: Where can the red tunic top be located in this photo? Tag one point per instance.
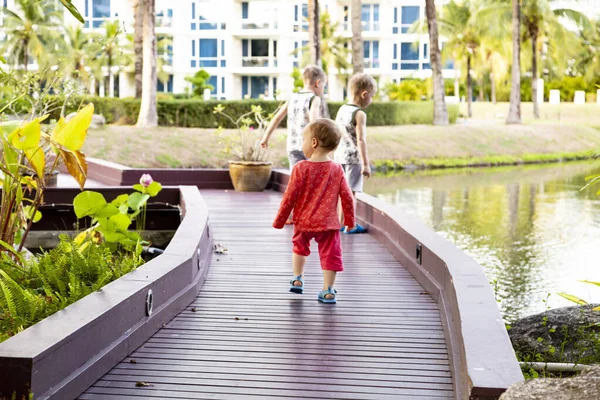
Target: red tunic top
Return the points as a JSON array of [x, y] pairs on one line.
[[313, 192]]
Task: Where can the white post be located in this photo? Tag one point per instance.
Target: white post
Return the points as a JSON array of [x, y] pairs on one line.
[[102, 92], [540, 91], [271, 89], [93, 86], [555, 96], [111, 84], [271, 53], [206, 94], [579, 97]]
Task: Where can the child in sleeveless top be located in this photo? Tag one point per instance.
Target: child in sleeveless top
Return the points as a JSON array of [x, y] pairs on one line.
[[313, 192], [352, 151]]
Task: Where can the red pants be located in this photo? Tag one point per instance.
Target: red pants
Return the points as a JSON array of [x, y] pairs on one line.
[[330, 247]]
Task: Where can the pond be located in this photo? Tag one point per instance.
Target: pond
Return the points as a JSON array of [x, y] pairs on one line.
[[532, 228]]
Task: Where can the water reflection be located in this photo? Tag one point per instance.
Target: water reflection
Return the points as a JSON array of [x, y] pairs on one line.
[[531, 228]]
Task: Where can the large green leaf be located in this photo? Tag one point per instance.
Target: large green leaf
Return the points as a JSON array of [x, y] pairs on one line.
[[30, 215], [137, 200], [88, 203], [72, 9], [28, 136], [153, 189], [108, 211]]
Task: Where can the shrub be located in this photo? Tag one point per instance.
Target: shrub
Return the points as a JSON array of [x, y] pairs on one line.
[[196, 113]]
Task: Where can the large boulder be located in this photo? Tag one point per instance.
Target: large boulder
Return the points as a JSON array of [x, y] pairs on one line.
[[98, 121], [585, 386], [566, 335]]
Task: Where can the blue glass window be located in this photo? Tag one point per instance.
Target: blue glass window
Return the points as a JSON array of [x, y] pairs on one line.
[[193, 10], [376, 12], [245, 48], [395, 66], [395, 30], [425, 51], [208, 48], [296, 13], [367, 49], [223, 63], [222, 48], [244, 86], [193, 26], [407, 66], [410, 14], [193, 64], [213, 81], [426, 66], [193, 48], [395, 15], [259, 85], [365, 15], [101, 9], [408, 53], [245, 10], [206, 26], [395, 51], [223, 85]]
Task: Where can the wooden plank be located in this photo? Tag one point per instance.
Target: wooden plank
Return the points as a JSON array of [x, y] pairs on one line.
[[245, 336]]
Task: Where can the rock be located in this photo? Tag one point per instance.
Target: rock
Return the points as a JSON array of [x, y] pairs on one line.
[[567, 335], [584, 386], [98, 121]]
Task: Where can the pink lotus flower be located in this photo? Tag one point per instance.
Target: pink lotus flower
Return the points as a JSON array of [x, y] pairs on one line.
[[251, 128], [146, 180]]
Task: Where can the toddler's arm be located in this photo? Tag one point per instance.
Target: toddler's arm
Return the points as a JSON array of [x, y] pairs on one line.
[[361, 137], [274, 124], [289, 200], [315, 109], [347, 203]]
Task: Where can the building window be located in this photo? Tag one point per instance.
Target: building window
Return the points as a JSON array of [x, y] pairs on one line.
[[245, 10], [165, 87], [96, 12], [205, 53], [205, 16], [409, 56], [165, 49], [299, 53], [410, 15], [164, 18], [346, 25], [258, 86], [301, 17], [255, 52], [370, 17], [259, 15], [371, 53]]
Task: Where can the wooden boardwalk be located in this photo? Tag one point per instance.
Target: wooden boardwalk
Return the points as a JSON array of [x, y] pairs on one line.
[[246, 336]]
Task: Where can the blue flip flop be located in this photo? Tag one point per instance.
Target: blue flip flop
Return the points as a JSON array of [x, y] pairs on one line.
[[358, 229], [297, 289], [324, 293]]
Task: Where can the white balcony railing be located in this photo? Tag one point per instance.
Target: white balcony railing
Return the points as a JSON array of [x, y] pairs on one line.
[[262, 62], [258, 25]]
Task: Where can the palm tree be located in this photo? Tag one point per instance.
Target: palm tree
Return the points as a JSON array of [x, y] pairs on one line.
[[80, 53], [138, 38], [358, 63], [313, 32], [440, 112], [494, 55], [536, 15], [464, 32], [110, 51], [30, 30], [514, 111], [148, 114]]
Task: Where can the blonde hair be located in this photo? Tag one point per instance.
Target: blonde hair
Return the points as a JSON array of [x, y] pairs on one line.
[[312, 73], [327, 133], [362, 83]]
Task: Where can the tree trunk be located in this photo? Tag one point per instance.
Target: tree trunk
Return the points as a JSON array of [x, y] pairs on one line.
[[469, 88], [482, 88], [514, 111], [313, 32], [358, 62], [440, 112], [138, 38], [493, 86], [148, 116], [534, 75], [25, 53]]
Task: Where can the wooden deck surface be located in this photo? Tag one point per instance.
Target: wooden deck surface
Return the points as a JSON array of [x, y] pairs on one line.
[[247, 337]]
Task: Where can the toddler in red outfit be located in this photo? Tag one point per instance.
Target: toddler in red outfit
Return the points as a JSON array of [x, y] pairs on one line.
[[312, 193]]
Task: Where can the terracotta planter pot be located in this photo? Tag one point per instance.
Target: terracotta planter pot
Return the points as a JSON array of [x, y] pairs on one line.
[[250, 176]]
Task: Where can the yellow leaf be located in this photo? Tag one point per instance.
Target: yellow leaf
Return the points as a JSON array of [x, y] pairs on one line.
[[27, 136], [592, 282], [37, 159], [596, 309], [59, 127], [72, 134], [572, 298], [76, 165]]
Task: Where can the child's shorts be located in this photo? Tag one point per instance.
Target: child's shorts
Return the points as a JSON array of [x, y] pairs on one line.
[[330, 247], [354, 177], [295, 156]]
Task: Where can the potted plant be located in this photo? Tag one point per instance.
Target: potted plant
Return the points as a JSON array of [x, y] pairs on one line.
[[250, 172]]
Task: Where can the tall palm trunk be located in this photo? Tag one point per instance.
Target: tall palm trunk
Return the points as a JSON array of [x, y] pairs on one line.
[[514, 111], [482, 88], [313, 32], [469, 88], [358, 62], [138, 39], [25, 54], [440, 112], [148, 115], [534, 73]]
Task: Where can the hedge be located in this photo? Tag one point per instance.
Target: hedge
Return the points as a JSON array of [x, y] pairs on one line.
[[199, 114]]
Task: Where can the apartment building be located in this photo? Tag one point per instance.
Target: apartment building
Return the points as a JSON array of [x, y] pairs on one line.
[[250, 47]]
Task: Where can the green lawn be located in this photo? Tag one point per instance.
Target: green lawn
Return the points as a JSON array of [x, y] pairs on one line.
[[485, 135]]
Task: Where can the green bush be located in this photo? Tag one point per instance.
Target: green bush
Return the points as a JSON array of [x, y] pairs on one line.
[[196, 113]]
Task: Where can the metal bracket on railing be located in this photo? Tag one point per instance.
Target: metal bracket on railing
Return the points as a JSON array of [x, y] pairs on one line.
[[149, 302], [419, 254]]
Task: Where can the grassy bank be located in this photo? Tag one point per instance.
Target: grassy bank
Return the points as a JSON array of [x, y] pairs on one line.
[[488, 142]]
